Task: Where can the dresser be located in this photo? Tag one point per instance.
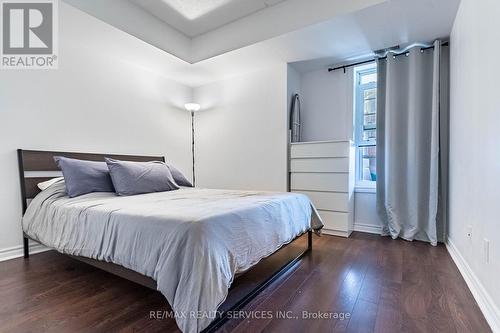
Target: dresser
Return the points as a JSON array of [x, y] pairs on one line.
[[324, 171]]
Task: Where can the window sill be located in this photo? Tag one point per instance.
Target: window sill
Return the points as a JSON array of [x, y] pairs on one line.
[[365, 189]]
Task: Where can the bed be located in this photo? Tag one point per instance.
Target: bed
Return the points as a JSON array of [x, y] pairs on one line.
[[189, 244]]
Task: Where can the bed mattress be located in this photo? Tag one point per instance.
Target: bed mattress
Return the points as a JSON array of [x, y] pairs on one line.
[[191, 241]]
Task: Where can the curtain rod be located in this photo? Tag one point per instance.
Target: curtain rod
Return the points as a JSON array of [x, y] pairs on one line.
[[344, 67]]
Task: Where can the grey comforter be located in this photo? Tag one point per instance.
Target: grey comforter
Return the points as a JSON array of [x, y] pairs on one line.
[[191, 241]]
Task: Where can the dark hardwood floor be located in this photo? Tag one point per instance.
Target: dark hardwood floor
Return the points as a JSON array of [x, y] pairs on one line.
[[383, 285]]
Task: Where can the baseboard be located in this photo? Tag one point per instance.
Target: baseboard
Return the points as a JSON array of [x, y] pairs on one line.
[[369, 228], [490, 310], [18, 251], [335, 233]]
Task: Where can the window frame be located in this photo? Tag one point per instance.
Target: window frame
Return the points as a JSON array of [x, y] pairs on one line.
[[359, 89]]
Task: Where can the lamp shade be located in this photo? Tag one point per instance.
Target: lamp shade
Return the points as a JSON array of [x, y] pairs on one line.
[[192, 107]]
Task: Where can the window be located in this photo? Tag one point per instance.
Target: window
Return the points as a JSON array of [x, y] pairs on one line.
[[365, 121]]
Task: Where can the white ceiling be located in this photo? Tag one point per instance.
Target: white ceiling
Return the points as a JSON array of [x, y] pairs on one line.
[[195, 17], [354, 37], [235, 24], [350, 35]]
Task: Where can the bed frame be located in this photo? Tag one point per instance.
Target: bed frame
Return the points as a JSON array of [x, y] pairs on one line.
[[38, 166]]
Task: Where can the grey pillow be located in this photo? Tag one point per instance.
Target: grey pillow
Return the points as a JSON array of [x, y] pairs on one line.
[[131, 178], [82, 177], [179, 178]]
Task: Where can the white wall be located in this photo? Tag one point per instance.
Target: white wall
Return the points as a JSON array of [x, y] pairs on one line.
[[327, 103], [293, 81], [242, 133], [292, 88], [327, 114], [365, 212], [474, 149], [94, 102]]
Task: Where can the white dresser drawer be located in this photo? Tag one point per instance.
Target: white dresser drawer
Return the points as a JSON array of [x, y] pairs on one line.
[[335, 220], [329, 200], [339, 164], [320, 149], [330, 182]]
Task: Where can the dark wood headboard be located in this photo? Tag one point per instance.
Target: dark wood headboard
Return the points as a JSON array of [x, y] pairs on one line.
[[37, 162]]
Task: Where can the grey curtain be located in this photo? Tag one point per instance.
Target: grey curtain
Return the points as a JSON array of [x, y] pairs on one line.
[[411, 144]]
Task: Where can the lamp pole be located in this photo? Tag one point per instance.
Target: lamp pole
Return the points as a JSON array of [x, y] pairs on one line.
[[192, 107], [192, 145]]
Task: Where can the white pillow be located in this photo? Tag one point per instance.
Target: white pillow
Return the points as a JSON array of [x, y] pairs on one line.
[[46, 184]]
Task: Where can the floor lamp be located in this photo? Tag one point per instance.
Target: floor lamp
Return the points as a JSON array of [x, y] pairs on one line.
[[192, 107]]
